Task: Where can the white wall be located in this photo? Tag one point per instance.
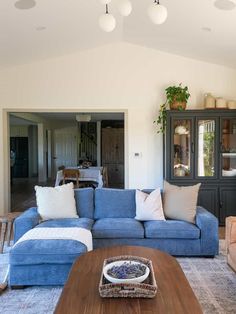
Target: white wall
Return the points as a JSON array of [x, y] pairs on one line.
[[19, 131], [117, 76]]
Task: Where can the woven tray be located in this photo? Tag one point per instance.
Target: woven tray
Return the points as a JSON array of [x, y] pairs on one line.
[[146, 289]]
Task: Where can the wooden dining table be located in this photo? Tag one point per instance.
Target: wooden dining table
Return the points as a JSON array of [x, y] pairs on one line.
[[91, 174]]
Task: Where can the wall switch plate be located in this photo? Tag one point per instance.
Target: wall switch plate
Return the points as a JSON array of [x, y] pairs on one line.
[[138, 155]]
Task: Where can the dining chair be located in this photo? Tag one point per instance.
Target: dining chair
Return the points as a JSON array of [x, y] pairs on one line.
[[105, 176], [71, 175]]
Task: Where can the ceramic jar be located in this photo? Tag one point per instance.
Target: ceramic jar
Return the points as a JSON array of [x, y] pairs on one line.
[[231, 104], [180, 172], [209, 102], [221, 103]]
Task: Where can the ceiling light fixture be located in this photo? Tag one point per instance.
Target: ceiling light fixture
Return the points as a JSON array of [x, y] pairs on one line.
[[125, 7], [82, 117], [25, 4], [225, 5], [156, 12], [107, 21]]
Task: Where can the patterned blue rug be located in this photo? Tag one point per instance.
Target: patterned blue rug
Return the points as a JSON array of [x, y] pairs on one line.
[[212, 280]]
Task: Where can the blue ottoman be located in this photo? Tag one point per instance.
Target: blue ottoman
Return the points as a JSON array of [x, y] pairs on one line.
[[43, 262], [46, 262]]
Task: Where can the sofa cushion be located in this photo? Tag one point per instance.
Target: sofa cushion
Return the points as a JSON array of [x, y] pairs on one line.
[[33, 252], [171, 229], [180, 202], [114, 203], [149, 205], [57, 202], [84, 199], [110, 228], [86, 223]]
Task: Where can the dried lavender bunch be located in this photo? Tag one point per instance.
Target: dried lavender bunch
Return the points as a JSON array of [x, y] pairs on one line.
[[127, 270]]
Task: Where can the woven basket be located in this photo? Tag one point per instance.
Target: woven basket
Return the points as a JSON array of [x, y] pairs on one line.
[[178, 105], [146, 289]]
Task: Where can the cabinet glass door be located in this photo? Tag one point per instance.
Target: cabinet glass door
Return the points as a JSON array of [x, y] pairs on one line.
[[182, 137], [228, 147], [206, 147]]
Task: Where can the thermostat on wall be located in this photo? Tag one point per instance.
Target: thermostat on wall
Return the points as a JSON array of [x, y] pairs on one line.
[[138, 155]]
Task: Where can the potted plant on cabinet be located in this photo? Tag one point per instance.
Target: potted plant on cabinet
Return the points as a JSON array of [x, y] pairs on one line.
[[176, 99]]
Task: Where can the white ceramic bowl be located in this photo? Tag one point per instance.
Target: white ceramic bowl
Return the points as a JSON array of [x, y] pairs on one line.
[[116, 280], [229, 173]]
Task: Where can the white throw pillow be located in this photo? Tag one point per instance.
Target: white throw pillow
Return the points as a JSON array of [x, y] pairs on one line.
[[149, 206], [55, 203]]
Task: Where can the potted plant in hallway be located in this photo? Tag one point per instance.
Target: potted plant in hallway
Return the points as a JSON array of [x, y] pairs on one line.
[[176, 99]]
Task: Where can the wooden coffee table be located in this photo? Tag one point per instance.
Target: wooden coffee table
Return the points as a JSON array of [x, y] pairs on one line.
[[80, 294]]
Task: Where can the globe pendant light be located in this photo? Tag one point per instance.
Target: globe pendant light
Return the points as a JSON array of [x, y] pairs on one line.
[[157, 12], [105, 1], [107, 21], [125, 7]]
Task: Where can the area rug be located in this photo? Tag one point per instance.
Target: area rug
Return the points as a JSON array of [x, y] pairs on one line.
[[212, 280]]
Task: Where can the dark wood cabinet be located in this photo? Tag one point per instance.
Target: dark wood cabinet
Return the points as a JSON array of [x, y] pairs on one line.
[[228, 201], [208, 198], [200, 146]]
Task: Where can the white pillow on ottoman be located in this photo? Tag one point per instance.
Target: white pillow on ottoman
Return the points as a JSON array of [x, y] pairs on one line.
[[55, 203], [149, 206]]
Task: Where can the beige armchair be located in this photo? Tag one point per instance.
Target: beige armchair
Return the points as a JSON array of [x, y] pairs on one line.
[[231, 241]]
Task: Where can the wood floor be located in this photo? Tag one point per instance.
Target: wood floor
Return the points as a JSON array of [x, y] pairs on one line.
[[23, 197], [23, 193]]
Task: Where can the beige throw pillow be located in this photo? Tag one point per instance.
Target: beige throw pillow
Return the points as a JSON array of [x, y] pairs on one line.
[[149, 206], [180, 202], [55, 203]]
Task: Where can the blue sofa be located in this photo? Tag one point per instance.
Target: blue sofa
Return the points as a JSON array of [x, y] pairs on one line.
[[109, 214]]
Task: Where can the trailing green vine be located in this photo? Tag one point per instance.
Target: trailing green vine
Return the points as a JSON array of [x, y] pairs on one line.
[[161, 119], [173, 94]]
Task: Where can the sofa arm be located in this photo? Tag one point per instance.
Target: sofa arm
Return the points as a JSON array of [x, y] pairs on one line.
[[28, 220], [230, 234], [208, 224]]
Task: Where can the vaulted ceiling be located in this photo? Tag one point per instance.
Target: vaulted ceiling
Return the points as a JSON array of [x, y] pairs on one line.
[[195, 29]]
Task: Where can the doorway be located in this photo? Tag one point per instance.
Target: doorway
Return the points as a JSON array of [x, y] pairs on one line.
[[19, 148], [112, 152], [46, 150], [23, 142], [64, 147]]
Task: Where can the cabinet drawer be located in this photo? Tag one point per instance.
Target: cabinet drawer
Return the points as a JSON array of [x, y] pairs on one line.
[[208, 198]]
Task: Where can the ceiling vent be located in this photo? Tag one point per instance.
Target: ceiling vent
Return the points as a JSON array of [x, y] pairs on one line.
[[25, 4]]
